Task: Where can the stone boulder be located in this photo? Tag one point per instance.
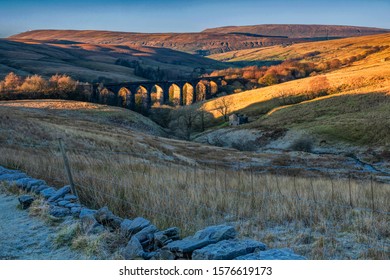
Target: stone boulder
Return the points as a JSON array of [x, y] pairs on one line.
[[62, 203], [22, 183], [107, 218], [12, 177], [146, 236], [86, 212], [75, 211], [71, 204], [4, 170], [173, 233], [25, 201], [133, 250], [202, 238], [131, 227], [273, 254], [89, 224], [38, 189], [227, 250], [163, 254], [165, 237], [59, 212], [70, 197], [48, 192], [32, 183], [59, 193], [160, 240]]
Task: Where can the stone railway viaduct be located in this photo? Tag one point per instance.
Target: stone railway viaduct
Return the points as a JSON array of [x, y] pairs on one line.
[[148, 93]]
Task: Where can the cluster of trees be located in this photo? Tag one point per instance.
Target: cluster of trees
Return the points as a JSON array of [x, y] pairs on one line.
[[148, 72], [184, 121], [35, 86], [265, 76], [13, 82]]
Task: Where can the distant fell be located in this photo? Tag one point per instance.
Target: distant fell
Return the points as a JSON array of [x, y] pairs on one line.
[[210, 41], [195, 43], [299, 30]]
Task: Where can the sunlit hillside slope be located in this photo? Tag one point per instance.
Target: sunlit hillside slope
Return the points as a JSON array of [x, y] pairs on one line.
[[355, 109]]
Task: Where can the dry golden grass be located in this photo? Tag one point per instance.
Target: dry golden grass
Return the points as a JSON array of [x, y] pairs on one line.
[[340, 49], [85, 125], [165, 181], [147, 181], [350, 113], [371, 73], [256, 204]]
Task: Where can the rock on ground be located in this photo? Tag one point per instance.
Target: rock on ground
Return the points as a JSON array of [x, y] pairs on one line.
[[202, 238], [130, 227], [25, 201], [273, 254], [228, 250], [89, 225], [107, 218], [60, 193]]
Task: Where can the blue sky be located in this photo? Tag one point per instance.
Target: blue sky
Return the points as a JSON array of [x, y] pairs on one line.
[[184, 16]]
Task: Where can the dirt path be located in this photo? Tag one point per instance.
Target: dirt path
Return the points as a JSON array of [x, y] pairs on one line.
[[25, 237]]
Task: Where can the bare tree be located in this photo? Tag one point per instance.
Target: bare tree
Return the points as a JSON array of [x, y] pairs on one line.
[[34, 83], [202, 117], [12, 81], [183, 121], [223, 106], [62, 83]]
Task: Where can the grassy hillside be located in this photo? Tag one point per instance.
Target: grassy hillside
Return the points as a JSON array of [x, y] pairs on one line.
[[89, 62], [49, 119], [86, 125], [300, 30], [356, 109], [313, 51], [118, 160]]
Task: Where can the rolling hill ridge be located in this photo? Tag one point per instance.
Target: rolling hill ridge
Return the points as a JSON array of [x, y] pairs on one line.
[[210, 41], [300, 30]]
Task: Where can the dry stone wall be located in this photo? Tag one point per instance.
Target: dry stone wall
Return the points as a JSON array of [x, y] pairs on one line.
[[145, 240]]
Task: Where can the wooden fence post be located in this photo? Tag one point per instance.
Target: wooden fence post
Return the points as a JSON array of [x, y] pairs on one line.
[[350, 190], [67, 168], [372, 195], [252, 188]]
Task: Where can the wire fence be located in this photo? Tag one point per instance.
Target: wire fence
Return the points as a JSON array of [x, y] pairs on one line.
[[192, 196]]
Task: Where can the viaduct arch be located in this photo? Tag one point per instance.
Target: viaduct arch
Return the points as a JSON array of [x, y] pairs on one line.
[[142, 96]]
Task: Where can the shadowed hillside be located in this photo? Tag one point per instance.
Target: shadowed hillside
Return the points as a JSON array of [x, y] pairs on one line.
[[92, 63], [196, 43]]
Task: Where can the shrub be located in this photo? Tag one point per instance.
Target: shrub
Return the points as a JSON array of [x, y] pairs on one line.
[[269, 79], [318, 86], [302, 145], [247, 146]]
